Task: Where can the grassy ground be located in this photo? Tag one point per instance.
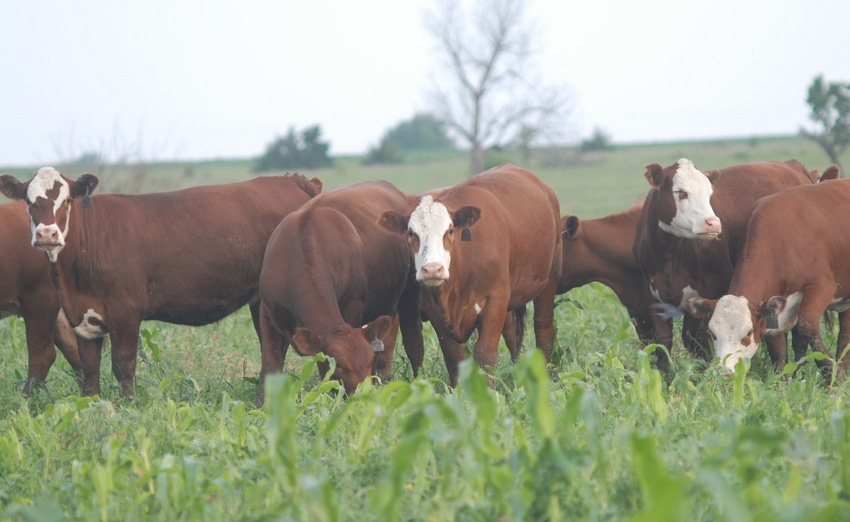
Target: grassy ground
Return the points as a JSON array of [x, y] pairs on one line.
[[602, 438]]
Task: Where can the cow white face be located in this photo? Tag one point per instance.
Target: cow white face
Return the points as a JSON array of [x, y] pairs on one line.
[[48, 202], [694, 217], [731, 329], [430, 225]]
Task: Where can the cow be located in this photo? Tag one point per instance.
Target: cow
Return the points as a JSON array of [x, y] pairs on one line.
[[600, 250], [26, 291], [482, 249], [792, 269], [691, 232], [334, 280], [190, 257]]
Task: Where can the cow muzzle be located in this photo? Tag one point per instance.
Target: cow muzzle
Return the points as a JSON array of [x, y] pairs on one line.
[[711, 228], [47, 237], [432, 274]]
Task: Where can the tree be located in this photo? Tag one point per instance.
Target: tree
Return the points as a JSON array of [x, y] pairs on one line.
[[423, 132], [387, 152], [600, 141], [304, 151], [830, 106], [489, 97]]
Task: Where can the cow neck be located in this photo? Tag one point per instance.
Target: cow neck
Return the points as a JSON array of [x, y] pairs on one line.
[[317, 306], [612, 262], [71, 267]]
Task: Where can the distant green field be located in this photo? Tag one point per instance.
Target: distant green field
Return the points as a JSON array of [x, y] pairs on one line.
[[601, 436]]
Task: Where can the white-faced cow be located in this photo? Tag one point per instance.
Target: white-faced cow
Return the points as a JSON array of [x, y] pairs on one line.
[[334, 280], [189, 257], [26, 290], [793, 268], [481, 249], [691, 231]]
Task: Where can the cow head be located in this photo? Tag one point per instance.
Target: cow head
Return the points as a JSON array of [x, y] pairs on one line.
[[430, 229], [684, 206], [48, 195], [352, 348], [735, 327]]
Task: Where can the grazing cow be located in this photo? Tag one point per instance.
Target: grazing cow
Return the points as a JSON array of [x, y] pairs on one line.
[[481, 249], [333, 280], [26, 290], [680, 245], [189, 257], [601, 250], [792, 269]]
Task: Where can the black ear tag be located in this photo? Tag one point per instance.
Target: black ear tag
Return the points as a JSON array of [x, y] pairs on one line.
[[772, 322], [466, 235], [86, 199]]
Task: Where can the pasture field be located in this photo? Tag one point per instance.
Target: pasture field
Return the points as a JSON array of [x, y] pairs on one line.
[[603, 437]]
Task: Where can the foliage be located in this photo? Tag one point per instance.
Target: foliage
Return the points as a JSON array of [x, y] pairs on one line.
[[388, 152], [600, 141], [830, 111], [295, 151], [495, 157]]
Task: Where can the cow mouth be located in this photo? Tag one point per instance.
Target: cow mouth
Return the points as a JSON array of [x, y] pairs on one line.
[[709, 235], [434, 281]]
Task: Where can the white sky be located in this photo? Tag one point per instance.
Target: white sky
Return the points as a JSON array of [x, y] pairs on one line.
[[211, 79]]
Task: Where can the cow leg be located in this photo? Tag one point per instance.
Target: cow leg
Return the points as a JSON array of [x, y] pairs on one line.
[[695, 337], [643, 328], [38, 326], [544, 320], [273, 346], [411, 326], [382, 364], [90, 351], [125, 351], [799, 344], [814, 303], [842, 342], [491, 322], [662, 333], [513, 331], [66, 340], [777, 348], [452, 350]]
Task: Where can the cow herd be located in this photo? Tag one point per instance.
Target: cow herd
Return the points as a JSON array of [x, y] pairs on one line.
[[745, 253]]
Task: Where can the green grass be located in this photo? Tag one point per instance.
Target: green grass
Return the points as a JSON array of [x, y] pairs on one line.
[[603, 437]]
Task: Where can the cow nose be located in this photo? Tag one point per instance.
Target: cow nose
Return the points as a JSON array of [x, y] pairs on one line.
[[47, 236], [432, 271], [712, 225]]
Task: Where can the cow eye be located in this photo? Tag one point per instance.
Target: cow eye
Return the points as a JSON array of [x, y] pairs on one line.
[[452, 231], [681, 194]]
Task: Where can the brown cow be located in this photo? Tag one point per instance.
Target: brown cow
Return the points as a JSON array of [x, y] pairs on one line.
[[481, 249], [188, 257], [333, 280], [679, 245], [793, 268], [26, 290], [601, 250]]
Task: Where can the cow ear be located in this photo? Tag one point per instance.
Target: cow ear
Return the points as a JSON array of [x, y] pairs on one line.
[[316, 182], [12, 188], [377, 328], [84, 185], [394, 221], [572, 227], [830, 173], [654, 175], [466, 216], [772, 308], [306, 342], [700, 307]]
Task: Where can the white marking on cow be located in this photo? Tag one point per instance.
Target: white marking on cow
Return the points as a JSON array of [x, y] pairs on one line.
[[430, 221], [687, 293], [787, 318], [694, 218], [839, 305], [477, 308], [730, 323], [86, 329], [45, 180], [654, 291]]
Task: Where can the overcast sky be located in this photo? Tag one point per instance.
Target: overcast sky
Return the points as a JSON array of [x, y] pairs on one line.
[[172, 79]]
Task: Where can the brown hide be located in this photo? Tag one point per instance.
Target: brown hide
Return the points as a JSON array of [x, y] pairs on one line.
[[26, 290], [797, 241], [513, 257], [600, 250], [670, 264], [188, 257], [330, 269]]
